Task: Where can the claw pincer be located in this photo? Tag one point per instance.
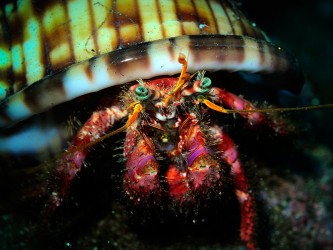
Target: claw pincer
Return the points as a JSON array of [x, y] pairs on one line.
[[141, 179], [203, 170]]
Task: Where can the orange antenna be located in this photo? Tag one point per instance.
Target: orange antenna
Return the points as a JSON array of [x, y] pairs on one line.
[[218, 108], [181, 80]]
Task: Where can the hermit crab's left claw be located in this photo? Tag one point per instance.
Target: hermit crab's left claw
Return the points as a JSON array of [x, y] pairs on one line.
[[92, 132], [141, 181]]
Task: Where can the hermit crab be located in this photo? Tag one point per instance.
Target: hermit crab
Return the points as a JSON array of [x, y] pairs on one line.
[[161, 65]]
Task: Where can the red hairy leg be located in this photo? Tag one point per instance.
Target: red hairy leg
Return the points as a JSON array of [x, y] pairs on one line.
[[141, 180], [230, 155], [202, 170], [245, 109], [232, 101], [67, 167]]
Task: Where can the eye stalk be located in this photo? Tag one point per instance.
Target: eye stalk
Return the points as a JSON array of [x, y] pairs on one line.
[[142, 93], [205, 84]]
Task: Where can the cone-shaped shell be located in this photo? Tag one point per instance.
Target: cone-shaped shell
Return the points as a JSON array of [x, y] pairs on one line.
[[54, 51]]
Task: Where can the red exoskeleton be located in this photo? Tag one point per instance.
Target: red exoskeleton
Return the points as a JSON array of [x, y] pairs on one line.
[[165, 121], [56, 53]]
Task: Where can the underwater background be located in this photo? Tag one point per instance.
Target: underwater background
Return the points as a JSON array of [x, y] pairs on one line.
[[293, 177], [305, 29]]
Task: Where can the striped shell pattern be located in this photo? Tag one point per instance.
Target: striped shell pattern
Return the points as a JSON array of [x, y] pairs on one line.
[[54, 51]]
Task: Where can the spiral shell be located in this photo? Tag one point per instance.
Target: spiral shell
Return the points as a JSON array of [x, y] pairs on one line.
[[54, 51]]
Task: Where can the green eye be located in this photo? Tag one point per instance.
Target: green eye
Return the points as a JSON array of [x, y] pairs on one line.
[[205, 85], [142, 93]]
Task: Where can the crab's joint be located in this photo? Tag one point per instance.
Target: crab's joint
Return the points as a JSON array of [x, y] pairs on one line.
[[183, 78]]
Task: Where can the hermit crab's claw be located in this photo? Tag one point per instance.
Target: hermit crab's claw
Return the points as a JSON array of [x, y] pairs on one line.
[[92, 132], [141, 181], [202, 172]]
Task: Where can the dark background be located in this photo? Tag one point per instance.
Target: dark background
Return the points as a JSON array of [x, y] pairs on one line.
[[304, 28]]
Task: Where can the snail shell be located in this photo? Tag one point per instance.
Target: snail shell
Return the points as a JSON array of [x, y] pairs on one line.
[[54, 51]]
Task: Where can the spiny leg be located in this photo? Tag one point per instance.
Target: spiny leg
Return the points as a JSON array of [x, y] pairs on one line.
[[67, 167], [230, 155], [246, 109]]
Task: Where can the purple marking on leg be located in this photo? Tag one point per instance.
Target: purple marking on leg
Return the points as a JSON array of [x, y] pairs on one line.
[[143, 160], [198, 151], [78, 159]]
